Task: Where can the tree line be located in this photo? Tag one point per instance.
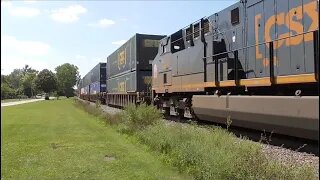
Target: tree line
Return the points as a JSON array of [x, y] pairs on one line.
[[28, 82]]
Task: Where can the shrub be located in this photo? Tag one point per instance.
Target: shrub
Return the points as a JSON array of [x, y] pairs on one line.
[[139, 117]]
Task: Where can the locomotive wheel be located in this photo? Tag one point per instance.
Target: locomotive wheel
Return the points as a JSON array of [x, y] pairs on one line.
[[180, 114], [166, 112]]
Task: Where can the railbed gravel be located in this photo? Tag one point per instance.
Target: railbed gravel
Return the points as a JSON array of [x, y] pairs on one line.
[[280, 154], [286, 156], [110, 110]]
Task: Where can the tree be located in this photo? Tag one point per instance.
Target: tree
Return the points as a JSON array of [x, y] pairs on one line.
[[46, 81], [6, 91], [67, 76], [28, 83], [4, 79], [27, 70], [15, 78]]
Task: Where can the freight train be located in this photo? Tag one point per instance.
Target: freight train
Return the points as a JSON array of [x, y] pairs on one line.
[[93, 85], [254, 63]]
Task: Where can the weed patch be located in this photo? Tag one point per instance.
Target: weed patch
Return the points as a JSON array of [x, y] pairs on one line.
[[136, 118], [204, 153]]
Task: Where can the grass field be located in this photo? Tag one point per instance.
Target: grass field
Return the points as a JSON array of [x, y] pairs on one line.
[[55, 140]]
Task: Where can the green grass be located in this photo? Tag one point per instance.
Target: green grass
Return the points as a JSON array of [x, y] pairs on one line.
[[204, 153], [55, 140], [208, 153]]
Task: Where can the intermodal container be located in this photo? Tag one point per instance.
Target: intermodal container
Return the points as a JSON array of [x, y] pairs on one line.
[[134, 55], [96, 75]]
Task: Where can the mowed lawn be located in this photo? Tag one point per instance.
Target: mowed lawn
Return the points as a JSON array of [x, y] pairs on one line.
[[55, 140]]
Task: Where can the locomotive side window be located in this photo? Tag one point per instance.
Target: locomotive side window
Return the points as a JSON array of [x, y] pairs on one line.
[[206, 26], [188, 34], [177, 42], [235, 16], [165, 48], [196, 30]]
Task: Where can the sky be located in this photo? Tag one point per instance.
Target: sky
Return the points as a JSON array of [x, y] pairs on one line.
[[48, 33]]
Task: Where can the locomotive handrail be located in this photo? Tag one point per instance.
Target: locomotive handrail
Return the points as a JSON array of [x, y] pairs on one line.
[[200, 29], [193, 22], [266, 42]]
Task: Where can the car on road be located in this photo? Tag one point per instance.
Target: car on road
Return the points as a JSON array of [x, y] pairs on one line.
[[46, 96]]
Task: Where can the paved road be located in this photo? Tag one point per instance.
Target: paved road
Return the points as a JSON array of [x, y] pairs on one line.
[[22, 102]]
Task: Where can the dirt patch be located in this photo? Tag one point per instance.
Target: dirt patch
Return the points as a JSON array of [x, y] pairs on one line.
[[109, 158], [56, 145]]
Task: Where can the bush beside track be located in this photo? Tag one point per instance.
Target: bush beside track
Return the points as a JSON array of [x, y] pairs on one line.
[[204, 153]]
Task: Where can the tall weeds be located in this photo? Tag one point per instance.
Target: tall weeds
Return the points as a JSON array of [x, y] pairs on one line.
[[204, 153]]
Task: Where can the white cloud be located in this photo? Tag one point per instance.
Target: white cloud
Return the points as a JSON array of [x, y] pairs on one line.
[[24, 11], [103, 23], [5, 4], [85, 64], [8, 63], [30, 1], [119, 42], [34, 48], [69, 14], [80, 57], [20, 11]]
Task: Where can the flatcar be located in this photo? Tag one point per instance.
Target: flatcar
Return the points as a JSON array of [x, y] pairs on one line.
[[254, 63]]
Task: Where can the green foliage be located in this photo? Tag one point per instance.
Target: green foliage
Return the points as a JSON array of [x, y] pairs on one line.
[[204, 153], [46, 81], [25, 81], [28, 84], [139, 117], [6, 91], [21, 81], [216, 154], [67, 76], [4, 79], [15, 78]]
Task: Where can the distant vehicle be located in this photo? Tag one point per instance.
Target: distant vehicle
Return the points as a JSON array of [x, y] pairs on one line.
[[46, 96]]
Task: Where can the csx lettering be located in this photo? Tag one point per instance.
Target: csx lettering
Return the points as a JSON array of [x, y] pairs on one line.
[[121, 86], [293, 21], [122, 58]]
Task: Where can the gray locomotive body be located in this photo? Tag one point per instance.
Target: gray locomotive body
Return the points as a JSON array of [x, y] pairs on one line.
[[129, 70], [255, 62]]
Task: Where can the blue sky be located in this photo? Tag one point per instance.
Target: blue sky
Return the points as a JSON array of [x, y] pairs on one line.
[[49, 33]]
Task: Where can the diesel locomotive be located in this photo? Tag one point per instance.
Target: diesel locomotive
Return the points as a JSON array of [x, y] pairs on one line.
[[255, 63]]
